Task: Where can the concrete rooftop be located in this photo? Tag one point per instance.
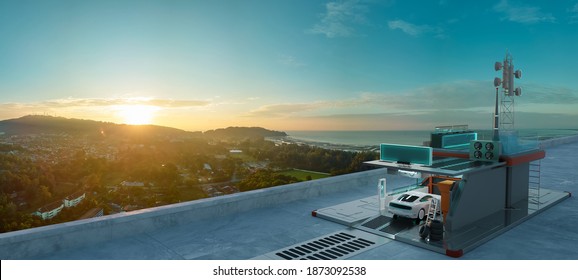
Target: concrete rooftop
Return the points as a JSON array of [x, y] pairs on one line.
[[247, 225]]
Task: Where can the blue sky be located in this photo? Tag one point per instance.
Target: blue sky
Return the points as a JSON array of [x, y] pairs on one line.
[[288, 65]]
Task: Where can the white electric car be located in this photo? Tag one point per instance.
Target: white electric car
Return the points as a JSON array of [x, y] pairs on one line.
[[412, 204]]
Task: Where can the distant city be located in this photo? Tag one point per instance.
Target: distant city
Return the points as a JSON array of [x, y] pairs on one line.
[[54, 170]]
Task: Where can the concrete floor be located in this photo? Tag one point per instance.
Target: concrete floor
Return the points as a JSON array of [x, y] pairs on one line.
[[552, 234]]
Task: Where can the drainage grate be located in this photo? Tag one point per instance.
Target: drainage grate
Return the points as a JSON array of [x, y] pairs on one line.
[[336, 246], [397, 226], [377, 222]]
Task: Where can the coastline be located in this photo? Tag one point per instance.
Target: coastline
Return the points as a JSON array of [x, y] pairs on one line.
[[279, 140], [552, 142], [544, 139]]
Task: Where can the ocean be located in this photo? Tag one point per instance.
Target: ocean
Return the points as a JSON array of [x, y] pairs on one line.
[[374, 138]]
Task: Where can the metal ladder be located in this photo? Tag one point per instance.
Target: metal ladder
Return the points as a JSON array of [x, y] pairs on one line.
[[534, 185], [433, 210]]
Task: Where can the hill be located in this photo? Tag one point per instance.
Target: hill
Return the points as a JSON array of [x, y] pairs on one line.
[[37, 124], [242, 133]]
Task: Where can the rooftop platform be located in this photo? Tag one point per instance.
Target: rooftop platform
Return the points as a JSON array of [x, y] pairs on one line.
[[252, 224]]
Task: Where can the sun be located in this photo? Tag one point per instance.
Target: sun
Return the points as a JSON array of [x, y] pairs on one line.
[[137, 114]]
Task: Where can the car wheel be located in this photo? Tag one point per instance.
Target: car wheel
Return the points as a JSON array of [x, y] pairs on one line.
[[437, 227], [424, 231], [436, 237], [394, 216], [421, 214]]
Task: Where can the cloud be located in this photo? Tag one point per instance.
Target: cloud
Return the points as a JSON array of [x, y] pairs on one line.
[[286, 109], [406, 27], [428, 120], [465, 96], [574, 13], [171, 103], [452, 95], [292, 109], [469, 94], [522, 14], [421, 99], [339, 19], [103, 102], [543, 94], [415, 30], [290, 61]]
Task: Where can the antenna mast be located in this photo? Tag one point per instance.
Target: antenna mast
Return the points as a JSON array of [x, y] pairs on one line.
[[507, 99], [496, 117]]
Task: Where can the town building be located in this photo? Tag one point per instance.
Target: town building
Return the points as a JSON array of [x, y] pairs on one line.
[[74, 199], [49, 211], [92, 213]]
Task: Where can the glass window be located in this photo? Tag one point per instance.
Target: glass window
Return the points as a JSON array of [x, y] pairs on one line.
[[425, 198], [408, 198]]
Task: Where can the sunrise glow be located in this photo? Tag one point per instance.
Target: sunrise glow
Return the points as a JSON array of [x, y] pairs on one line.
[[288, 65], [136, 114]]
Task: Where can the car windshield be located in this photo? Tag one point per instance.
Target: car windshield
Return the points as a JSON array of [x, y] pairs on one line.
[[408, 198]]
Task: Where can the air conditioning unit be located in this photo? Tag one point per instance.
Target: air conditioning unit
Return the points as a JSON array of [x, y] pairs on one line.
[[485, 150]]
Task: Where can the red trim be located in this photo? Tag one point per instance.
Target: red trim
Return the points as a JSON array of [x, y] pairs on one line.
[[314, 213], [515, 160], [510, 160], [454, 253], [450, 154]]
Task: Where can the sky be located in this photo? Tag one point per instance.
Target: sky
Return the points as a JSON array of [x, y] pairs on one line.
[[288, 65]]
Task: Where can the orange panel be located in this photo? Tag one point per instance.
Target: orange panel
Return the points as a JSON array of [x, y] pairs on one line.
[[444, 187]]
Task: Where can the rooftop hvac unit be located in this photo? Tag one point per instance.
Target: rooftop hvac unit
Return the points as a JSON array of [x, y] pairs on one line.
[[485, 150]]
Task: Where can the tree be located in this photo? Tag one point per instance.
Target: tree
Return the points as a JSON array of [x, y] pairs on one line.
[[45, 194], [265, 178]]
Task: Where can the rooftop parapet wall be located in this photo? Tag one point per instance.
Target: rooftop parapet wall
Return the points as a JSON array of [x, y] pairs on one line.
[[558, 141], [36, 242], [26, 244]]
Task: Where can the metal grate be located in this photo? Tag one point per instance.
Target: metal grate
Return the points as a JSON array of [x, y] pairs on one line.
[[398, 226], [336, 246], [377, 222]]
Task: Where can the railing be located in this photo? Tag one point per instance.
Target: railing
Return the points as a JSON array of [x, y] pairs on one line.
[[451, 128]]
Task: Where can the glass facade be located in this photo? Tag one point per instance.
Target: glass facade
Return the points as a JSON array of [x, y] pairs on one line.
[[406, 154]]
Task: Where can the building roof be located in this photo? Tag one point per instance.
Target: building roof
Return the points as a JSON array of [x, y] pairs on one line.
[[250, 224], [90, 213], [51, 206], [75, 195]]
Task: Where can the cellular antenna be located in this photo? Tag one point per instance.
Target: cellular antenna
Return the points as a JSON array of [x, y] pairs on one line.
[[496, 118], [509, 90]]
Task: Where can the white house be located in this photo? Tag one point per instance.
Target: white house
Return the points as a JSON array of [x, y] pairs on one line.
[[74, 199], [49, 211]]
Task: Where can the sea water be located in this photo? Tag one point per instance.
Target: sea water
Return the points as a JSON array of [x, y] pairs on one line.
[[374, 138]]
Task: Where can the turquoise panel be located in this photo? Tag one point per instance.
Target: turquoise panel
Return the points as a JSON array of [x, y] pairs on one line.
[[406, 154]]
